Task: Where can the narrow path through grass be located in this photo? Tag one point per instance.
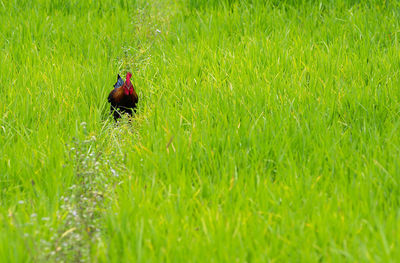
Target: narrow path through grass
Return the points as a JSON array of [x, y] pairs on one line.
[[266, 131]]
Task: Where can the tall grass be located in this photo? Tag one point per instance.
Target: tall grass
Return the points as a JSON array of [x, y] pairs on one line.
[[265, 131]]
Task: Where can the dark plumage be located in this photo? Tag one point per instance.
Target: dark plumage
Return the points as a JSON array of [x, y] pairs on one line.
[[123, 97], [119, 82]]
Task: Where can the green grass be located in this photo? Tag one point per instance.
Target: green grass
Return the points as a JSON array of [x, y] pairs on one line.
[[265, 131]]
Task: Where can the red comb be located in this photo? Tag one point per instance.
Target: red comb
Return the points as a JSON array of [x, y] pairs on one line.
[[128, 78]]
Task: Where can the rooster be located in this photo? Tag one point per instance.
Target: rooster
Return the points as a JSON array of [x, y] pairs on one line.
[[123, 97]]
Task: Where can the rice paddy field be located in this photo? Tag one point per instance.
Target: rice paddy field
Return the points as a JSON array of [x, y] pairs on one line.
[[266, 131]]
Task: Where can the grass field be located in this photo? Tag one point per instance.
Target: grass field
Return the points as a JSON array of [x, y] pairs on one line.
[[266, 131]]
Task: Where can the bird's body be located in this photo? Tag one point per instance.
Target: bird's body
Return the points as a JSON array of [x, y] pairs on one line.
[[123, 97]]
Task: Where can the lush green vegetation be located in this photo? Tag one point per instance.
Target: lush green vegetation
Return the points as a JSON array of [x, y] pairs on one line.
[[266, 131]]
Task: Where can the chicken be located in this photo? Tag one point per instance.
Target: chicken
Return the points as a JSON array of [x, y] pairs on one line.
[[123, 97]]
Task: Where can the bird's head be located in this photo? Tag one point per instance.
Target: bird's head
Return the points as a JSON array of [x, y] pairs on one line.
[[128, 87], [128, 78]]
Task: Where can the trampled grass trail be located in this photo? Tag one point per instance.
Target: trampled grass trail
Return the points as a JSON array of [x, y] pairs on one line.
[[266, 131]]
